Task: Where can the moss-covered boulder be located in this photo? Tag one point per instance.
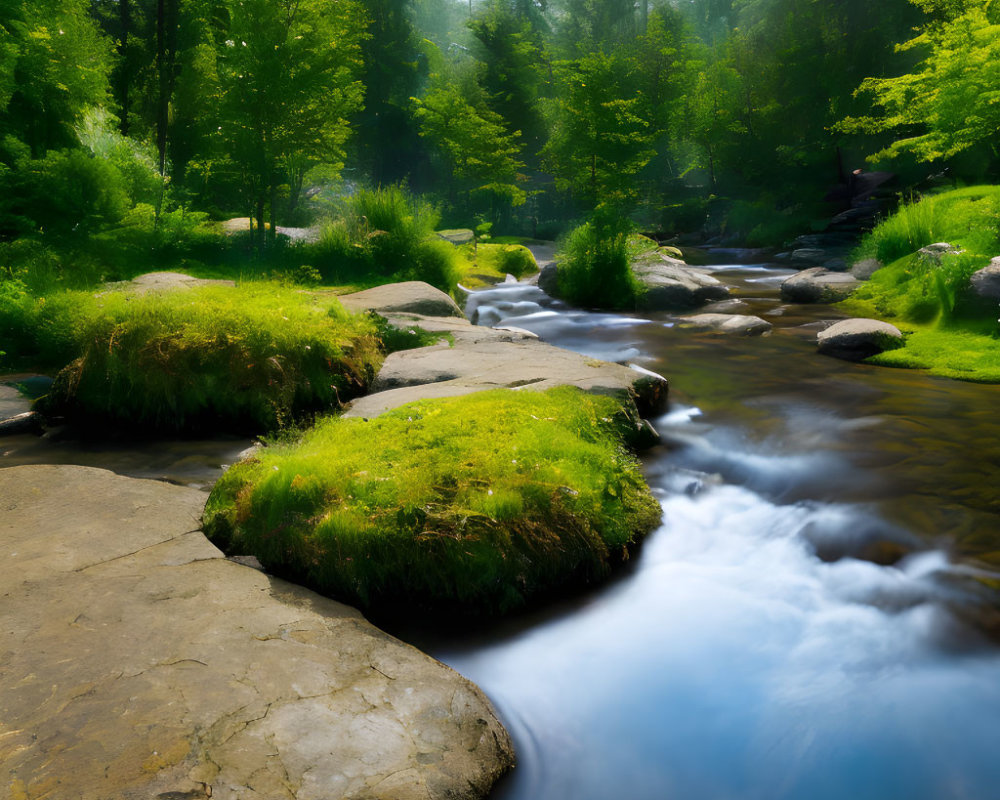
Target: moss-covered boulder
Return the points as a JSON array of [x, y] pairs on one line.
[[248, 358], [469, 505]]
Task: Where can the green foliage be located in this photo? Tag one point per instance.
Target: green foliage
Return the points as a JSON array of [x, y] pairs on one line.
[[385, 234], [950, 217], [951, 101], [252, 358], [595, 263], [504, 259], [467, 505]]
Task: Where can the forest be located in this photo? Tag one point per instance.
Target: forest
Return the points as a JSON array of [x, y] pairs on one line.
[[128, 126]]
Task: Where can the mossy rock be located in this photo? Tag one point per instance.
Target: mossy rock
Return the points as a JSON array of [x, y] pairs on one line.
[[468, 506]]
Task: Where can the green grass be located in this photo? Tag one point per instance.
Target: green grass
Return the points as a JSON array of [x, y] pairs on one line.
[[966, 355], [968, 217], [383, 235], [471, 505], [950, 331], [595, 264], [252, 358]]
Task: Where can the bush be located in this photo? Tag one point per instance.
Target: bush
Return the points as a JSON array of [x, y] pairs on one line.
[[472, 504], [385, 234], [253, 358], [595, 264], [956, 216]]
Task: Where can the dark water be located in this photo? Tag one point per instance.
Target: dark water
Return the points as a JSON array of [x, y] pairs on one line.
[[732, 662]]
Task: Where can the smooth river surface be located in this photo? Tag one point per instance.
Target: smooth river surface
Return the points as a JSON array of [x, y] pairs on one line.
[[731, 662]]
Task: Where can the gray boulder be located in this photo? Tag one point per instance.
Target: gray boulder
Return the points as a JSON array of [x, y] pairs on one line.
[[858, 339], [548, 279], [740, 324], [933, 252], [865, 268], [458, 236], [986, 282], [473, 366], [810, 255], [414, 297], [818, 285], [140, 663], [670, 284]]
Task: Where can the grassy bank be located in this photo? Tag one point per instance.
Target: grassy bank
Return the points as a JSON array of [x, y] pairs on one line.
[[251, 358], [473, 504], [949, 331]]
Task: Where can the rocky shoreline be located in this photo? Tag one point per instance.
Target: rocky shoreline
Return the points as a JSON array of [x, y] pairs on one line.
[[143, 663]]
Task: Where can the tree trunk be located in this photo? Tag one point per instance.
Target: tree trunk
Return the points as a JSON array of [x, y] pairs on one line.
[[124, 77]]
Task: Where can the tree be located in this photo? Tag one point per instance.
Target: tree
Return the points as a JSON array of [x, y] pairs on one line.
[[288, 83], [602, 134], [951, 101], [472, 142]]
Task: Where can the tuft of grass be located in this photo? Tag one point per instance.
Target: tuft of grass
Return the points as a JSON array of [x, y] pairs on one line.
[[969, 217], [252, 358], [595, 263], [473, 505], [384, 235]]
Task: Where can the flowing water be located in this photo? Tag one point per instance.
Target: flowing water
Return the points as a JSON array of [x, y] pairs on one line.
[[753, 649], [731, 660]]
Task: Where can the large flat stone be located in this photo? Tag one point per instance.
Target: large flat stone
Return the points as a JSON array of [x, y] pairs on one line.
[[818, 285], [414, 297], [670, 284], [444, 371], [137, 662]]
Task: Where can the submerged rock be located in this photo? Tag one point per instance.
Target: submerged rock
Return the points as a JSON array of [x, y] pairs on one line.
[[858, 339], [818, 285], [740, 324], [140, 663]]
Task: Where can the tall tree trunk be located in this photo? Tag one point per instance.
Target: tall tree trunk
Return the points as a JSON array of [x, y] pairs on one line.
[[162, 100], [645, 16], [124, 74]]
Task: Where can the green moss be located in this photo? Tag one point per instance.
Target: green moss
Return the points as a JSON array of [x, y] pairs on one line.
[[488, 263], [952, 353], [473, 504], [252, 358]]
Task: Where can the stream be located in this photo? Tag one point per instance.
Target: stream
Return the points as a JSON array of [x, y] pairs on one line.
[[807, 623], [730, 660]]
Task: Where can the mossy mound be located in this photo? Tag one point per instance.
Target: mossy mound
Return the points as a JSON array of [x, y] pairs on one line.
[[470, 505], [252, 358]]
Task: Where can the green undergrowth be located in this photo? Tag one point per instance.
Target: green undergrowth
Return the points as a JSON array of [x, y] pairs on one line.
[[595, 263], [968, 217], [949, 330], [251, 358], [470, 505], [490, 262]]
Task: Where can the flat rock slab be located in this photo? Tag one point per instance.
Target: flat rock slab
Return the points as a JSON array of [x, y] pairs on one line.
[[414, 297], [165, 282], [460, 329], [444, 371], [739, 324], [139, 663], [858, 339], [818, 285]]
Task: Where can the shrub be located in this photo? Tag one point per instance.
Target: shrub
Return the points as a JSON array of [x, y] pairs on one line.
[[385, 234], [473, 504], [253, 358], [595, 264]]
